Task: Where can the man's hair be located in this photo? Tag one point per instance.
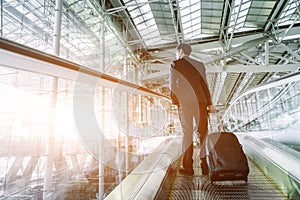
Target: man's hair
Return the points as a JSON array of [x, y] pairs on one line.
[[186, 48]]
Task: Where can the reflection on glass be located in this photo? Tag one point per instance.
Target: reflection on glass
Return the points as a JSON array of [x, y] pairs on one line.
[[27, 145], [271, 112]]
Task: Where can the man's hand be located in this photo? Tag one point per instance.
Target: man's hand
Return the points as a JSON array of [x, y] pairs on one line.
[[175, 107], [212, 109]]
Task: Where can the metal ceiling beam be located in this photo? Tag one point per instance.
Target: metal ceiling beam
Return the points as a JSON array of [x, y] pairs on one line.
[[219, 85], [236, 50], [228, 44], [224, 24], [243, 82], [156, 76], [275, 13], [175, 21], [179, 22], [220, 78], [129, 20], [250, 58], [284, 58], [282, 81], [172, 45], [288, 29], [239, 68], [110, 25]]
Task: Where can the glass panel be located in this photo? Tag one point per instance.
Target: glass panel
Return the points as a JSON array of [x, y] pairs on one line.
[[275, 109], [289, 14], [32, 23], [63, 128]]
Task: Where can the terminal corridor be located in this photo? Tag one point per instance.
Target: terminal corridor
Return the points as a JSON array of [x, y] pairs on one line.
[[86, 111]]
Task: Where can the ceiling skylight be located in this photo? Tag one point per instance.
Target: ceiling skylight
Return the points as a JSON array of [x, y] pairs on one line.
[[239, 15], [290, 14], [143, 18], [200, 19]]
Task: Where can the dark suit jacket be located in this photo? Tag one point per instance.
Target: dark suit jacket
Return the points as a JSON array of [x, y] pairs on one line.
[[188, 82]]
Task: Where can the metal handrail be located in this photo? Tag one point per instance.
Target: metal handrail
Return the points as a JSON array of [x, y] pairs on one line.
[[146, 179], [56, 66]]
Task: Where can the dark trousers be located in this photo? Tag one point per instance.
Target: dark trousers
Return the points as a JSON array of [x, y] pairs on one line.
[[188, 114]]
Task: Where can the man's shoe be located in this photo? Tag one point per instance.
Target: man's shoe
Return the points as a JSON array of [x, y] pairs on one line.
[[186, 171]]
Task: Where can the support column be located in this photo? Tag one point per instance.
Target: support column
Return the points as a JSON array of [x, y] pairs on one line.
[[125, 75], [119, 160], [100, 194], [51, 134], [266, 53], [248, 106], [268, 111], [1, 20], [234, 112], [241, 109], [50, 151]]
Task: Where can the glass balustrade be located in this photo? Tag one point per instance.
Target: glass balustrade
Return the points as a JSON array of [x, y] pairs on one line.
[[268, 111], [73, 135]]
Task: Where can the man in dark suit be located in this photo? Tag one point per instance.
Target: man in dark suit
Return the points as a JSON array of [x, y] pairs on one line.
[[189, 91]]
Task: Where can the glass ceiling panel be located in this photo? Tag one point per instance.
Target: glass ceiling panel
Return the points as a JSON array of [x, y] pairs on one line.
[[144, 20], [200, 18], [289, 14], [190, 18], [238, 16], [144, 15], [259, 13], [163, 17], [134, 12], [250, 15]]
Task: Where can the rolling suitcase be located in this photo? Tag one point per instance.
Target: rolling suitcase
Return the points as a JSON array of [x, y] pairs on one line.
[[225, 157]]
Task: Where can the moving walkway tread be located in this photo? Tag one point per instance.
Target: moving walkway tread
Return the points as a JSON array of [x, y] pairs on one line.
[[196, 187]]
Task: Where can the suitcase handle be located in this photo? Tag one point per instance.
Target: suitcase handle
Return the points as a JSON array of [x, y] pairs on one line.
[[218, 124]]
